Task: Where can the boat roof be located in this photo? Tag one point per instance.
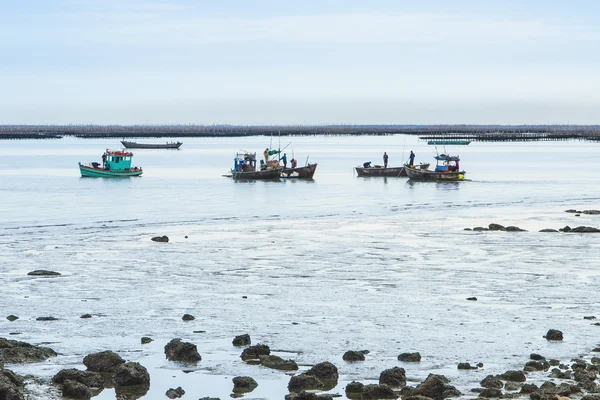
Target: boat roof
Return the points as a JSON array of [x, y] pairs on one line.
[[446, 157], [119, 153]]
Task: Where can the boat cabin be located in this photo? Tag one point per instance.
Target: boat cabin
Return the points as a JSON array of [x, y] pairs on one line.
[[117, 160], [244, 162], [447, 163]]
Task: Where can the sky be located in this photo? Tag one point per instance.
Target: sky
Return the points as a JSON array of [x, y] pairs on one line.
[[299, 62]]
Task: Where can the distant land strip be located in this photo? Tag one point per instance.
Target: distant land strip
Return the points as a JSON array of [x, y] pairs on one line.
[[495, 133]]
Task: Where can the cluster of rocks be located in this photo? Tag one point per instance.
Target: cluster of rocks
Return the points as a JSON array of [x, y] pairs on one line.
[[588, 212], [501, 228]]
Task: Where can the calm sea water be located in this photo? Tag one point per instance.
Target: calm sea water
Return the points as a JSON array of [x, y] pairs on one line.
[[334, 264]]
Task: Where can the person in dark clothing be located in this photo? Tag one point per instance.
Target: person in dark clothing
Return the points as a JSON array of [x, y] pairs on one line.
[[284, 160], [412, 158], [367, 164], [385, 160], [103, 160]]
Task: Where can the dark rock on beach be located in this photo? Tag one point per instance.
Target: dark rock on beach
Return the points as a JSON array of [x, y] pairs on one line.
[[393, 377], [146, 340], [537, 357], [496, 227], [303, 395], [410, 357], [242, 340], [243, 384], [585, 229], [378, 392], [12, 318], [513, 376], [88, 378], [537, 366], [254, 352], [472, 298], [436, 387], [43, 272], [76, 390], [354, 390], [175, 393], [131, 374], [324, 371], [11, 385], [353, 356], [512, 386], [514, 229], [548, 230], [304, 381], [276, 362], [104, 361], [84, 316], [176, 350], [492, 382], [554, 334], [565, 229], [480, 229], [490, 393], [466, 366], [15, 352], [529, 388], [188, 317], [163, 239], [46, 319]]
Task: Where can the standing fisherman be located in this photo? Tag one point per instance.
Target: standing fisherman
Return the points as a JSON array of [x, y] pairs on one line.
[[284, 160], [266, 154], [385, 160], [412, 158]]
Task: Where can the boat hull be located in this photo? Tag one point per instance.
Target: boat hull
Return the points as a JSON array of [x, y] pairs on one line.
[[377, 171], [267, 174], [428, 175], [134, 145], [306, 172], [91, 172]]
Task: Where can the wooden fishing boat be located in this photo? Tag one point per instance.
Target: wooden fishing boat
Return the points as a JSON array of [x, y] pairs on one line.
[[168, 145], [448, 171], [378, 170], [448, 142], [115, 164], [244, 168], [306, 172]]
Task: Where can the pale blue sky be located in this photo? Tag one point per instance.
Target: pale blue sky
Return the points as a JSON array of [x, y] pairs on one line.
[[302, 62]]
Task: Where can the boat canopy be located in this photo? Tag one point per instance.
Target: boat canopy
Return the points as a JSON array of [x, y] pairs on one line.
[[446, 157]]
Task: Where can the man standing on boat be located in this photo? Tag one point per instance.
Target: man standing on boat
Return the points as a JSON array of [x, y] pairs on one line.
[[284, 160], [103, 160], [266, 154], [412, 158], [385, 159]]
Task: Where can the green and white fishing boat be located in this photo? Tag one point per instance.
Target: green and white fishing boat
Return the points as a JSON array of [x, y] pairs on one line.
[[115, 163]]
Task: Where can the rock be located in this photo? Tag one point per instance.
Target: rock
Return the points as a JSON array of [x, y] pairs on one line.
[[529, 388], [242, 340], [514, 229], [589, 317], [595, 360], [131, 392], [84, 316], [465, 366], [46, 319], [88, 378], [585, 229], [176, 350], [378, 392], [15, 352], [410, 357], [104, 361], [209, 398], [354, 390], [175, 393], [496, 227], [243, 384], [435, 387], [591, 397], [352, 356], [8, 390], [76, 390], [548, 230], [188, 317], [554, 363], [146, 340], [12, 318], [571, 211], [565, 229], [131, 374], [472, 298], [12, 377], [393, 377], [537, 357], [304, 381], [467, 229], [491, 382], [418, 397], [512, 386], [303, 395], [554, 334], [490, 393], [591, 212], [254, 352], [163, 239], [480, 229], [513, 376], [43, 272], [276, 362], [537, 366], [324, 371]]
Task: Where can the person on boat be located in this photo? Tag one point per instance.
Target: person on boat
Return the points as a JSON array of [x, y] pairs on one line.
[[385, 160], [293, 162], [103, 160], [263, 166], [266, 154], [412, 158], [367, 164], [284, 160]]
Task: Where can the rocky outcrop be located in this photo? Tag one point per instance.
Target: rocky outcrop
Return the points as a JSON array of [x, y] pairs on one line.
[[243, 384], [513, 376], [176, 350], [76, 390], [131, 374], [585, 229], [529, 388], [254, 352], [304, 381], [533, 365], [175, 393], [374, 391], [490, 393], [393, 377], [324, 371], [12, 318], [276, 362], [436, 387], [88, 378], [85, 316], [242, 340], [162, 239], [548, 230], [104, 361], [15, 352], [11, 385], [353, 356], [43, 272], [491, 382], [410, 357], [146, 340], [188, 317], [46, 319], [466, 366], [354, 390], [554, 334], [496, 227]]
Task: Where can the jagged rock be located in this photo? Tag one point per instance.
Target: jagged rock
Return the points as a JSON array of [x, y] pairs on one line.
[[465, 366], [130, 374], [12, 377], [548, 387], [104, 361], [85, 316], [491, 382], [514, 229], [15, 352], [243, 384], [354, 390], [394, 377], [304, 381], [554, 334], [12, 318], [548, 230], [410, 357], [146, 340], [579, 364], [254, 352], [88, 378], [536, 357], [496, 227], [242, 340], [188, 317], [276, 362], [557, 373], [490, 393], [529, 388], [352, 356], [43, 272], [176, 350], [163, 239], [175, 393], [512, 386], [513, 376], [46, 319], [381, 391], [537, 366], [434, 387], [76, 390], [324, 371], [8, 390]]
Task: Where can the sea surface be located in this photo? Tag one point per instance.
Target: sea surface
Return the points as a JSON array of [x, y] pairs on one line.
[[311, 268]]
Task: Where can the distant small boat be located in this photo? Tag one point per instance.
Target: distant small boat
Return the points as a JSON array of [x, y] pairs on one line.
[[449, 170], [244, 168], [378, 170], [449, 142], [115, 163], [168, 145], [306, 172]]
